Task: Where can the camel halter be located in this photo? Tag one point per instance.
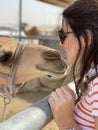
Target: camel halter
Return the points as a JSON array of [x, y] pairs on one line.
[[17, 57], [10, 77]]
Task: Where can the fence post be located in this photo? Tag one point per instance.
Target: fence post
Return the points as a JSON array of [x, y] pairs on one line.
[[33, 118]]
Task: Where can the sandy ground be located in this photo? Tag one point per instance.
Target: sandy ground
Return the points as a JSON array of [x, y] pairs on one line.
[[21, 102]]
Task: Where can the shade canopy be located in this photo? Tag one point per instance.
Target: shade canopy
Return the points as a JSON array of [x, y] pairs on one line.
[[62, 3]]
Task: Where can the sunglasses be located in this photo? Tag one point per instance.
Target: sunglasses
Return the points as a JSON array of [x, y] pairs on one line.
[[63, 35]]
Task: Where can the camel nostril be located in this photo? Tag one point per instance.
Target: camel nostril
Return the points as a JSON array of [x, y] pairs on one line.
[[49, 76], [51, 55]]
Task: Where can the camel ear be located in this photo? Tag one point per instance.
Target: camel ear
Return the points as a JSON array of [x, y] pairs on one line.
[[5, 57]]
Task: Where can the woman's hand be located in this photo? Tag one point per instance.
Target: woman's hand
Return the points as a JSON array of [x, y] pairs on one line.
[[62, 106]]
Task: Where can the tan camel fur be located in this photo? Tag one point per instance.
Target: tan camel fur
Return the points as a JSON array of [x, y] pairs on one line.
[[40, 65], [50, 82]]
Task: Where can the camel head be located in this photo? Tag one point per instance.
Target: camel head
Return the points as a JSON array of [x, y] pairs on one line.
[[36, 61]]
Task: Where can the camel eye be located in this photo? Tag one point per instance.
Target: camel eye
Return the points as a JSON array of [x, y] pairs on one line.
[[5, 57]]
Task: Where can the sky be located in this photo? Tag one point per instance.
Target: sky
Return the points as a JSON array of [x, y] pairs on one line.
[[33, 12]]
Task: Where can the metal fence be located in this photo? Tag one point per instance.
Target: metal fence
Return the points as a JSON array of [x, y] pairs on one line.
[[33, 118]]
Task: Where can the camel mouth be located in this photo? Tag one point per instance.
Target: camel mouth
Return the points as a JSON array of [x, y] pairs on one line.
[[51, 72]]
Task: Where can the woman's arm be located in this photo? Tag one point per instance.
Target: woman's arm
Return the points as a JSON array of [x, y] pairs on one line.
[[62, 106], [96, 122]]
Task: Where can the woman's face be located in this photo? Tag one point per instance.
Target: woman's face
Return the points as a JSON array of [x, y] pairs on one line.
[[70, 44]]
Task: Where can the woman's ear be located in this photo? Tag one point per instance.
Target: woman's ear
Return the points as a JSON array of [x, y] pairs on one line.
[[90, 36]]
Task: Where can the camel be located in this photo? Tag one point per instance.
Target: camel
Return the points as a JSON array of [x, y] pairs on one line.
[[36, 61], [34, 31], [38, 67]]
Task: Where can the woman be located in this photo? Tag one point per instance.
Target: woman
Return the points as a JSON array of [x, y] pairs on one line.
[[79, 37]]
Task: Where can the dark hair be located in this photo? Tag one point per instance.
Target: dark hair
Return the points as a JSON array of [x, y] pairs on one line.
[[82, 15]]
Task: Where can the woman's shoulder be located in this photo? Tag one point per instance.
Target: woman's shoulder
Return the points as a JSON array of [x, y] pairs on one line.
[[95, 83], [93, 74]]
